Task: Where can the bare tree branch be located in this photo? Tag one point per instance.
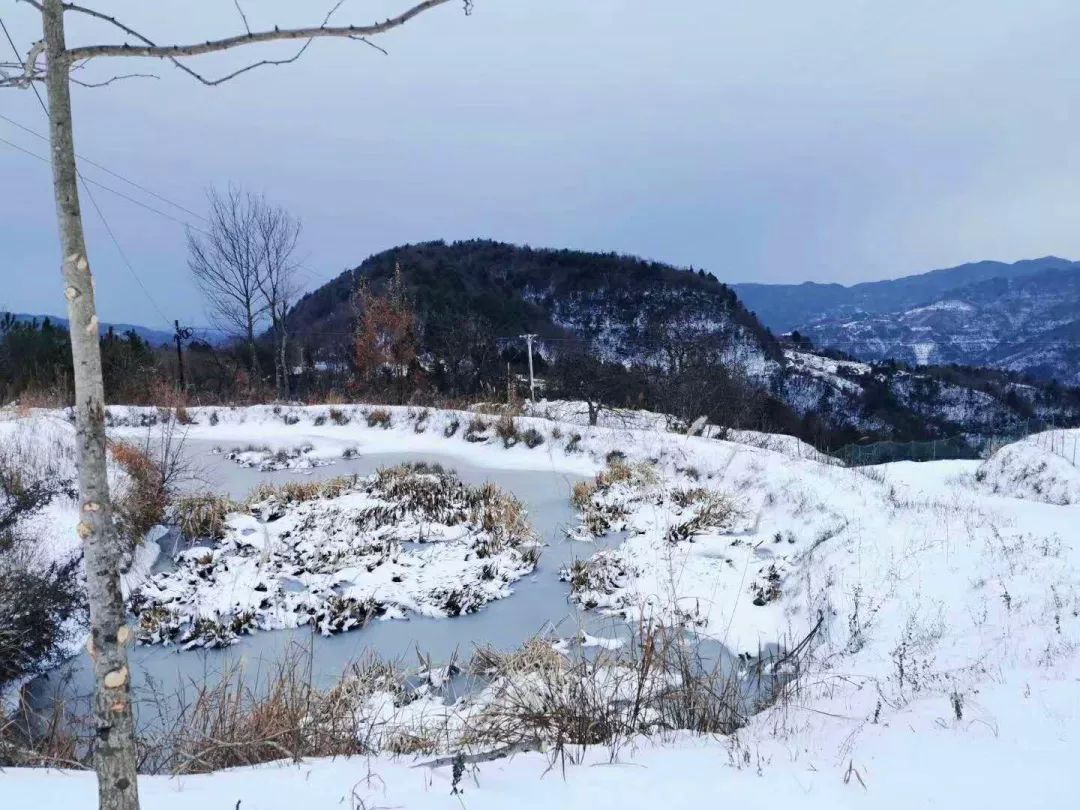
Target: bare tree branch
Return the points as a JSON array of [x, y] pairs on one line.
[[332, 11], [367, 41], [243, 16], [109, 81], [148, 49], [227, 263]]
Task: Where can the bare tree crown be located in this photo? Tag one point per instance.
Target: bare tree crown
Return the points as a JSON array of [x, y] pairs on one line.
[[137, 44]]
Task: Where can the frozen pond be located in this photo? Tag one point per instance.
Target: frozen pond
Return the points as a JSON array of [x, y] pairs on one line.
[[539, 604]]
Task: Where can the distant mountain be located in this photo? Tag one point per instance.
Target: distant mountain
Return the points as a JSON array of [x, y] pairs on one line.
[[623, 307], [1023, 317], [155, 337], [626, 309]]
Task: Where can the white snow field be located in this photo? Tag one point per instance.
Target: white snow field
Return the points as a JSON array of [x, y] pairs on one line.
[[1042, 467], [944, 672]]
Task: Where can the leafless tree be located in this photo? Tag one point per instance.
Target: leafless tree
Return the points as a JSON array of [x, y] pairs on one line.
[[226, 260], [52, 62], [278, 234]]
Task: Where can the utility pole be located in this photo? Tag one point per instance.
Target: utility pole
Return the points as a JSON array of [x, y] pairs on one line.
[[532, 382], [182, 334]]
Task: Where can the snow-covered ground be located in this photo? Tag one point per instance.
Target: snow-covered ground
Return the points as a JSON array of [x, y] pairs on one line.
[[944, 669], [1042, 467]]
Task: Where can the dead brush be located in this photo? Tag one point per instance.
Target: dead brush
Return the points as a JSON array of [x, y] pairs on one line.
[[507, 430], [476, 431], [50, 739], [234, 723], [657, 683], [379, 417], [504, 520], [202, 516], [141, 505], [620, 471], [582, 493], [533, 655], [301, 491], [713, 511]]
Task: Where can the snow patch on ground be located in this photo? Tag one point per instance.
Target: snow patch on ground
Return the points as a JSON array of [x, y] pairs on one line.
[[1042, 467]]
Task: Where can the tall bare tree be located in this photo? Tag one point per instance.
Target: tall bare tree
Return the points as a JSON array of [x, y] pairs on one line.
[[278, 233], [226, 260], [51, 62]]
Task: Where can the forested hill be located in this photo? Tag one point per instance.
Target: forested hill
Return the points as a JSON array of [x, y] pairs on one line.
[[623, 306]]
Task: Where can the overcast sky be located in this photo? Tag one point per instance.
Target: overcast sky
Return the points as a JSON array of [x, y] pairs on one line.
[[791, 140]]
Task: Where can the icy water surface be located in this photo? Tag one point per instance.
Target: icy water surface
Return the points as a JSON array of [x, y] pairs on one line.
[[539, 604]]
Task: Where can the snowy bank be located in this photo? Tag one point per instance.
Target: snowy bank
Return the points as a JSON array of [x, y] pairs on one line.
[[1042, 467]]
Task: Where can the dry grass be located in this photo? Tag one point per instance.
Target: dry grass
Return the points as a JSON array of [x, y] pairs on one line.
[[241, 722], [582, 493], [300, 491], [711, 511], [30, 739], [507, 430], [142, 504], [202, 516], [379, 417], [503, 518], [53, 398], [530, 698], [657, 683]]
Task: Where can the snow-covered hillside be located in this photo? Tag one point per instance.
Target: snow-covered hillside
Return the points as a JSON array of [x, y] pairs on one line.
[[1025, 324], [894, 401], [1042, 467], [940, 615]]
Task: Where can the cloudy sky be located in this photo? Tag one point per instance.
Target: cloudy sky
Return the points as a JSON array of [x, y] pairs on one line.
[[781, 140]]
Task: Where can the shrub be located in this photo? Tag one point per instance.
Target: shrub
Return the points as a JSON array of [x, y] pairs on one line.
[[142, 504], [421, 417], [532, 438], [320, 420], [202, 517], [582, 493], [214, 417], [36, 600], [338, 416], [380, 417], [477, 430], [35, 609], [573, 445], [506, 429], [451, 427], [712, 510], [183, 417]]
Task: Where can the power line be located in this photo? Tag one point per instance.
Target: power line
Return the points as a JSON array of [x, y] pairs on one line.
[[104, 221], [127, 197], [107, 170], [120, 250]]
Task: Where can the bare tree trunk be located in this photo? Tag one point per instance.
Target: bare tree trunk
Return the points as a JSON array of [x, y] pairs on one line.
[[253, 354], [114, 741], [283, 356]]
